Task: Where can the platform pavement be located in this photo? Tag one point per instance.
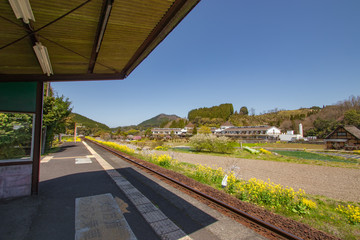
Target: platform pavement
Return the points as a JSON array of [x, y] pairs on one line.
[[51, 214]]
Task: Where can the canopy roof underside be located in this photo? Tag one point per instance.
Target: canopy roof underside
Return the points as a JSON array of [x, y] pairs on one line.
[[72, 34]]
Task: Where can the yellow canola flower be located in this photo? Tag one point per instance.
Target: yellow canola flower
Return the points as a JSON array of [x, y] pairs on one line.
[[352, 213], [308, 203]]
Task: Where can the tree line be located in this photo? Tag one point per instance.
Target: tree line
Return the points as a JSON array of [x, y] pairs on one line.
[[223, 111]]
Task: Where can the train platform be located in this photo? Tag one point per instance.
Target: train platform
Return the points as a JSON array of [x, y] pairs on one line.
[[88, 193]]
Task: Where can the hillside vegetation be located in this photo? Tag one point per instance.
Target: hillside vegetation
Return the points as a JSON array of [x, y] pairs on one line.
[[316, 121], [158, 121], [88, 126]]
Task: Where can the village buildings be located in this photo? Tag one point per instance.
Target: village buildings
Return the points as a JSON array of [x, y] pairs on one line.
[[226, 129]]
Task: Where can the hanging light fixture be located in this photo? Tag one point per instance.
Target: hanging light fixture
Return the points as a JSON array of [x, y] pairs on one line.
[[105, 21], [22, 9], [43, 58]]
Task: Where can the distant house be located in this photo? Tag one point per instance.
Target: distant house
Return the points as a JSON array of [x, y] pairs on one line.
[[223, 126], [344, 137], [252, 132], [188, 129], [226, 125]]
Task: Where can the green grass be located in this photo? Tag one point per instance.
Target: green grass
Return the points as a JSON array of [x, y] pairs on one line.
[[314, 156], [286, 145]]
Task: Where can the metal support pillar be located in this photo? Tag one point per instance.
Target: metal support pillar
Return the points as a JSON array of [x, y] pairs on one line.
[[37, 138]]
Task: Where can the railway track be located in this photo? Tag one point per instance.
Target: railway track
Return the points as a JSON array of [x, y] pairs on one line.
[[267, 229]]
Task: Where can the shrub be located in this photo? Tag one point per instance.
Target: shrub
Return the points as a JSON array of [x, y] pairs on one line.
[[208, 175], [270, 194], [161, 148], [223, 145], [211, 143], [163, 160]]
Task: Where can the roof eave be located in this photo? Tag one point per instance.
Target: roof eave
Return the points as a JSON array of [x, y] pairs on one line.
[[60, 77]]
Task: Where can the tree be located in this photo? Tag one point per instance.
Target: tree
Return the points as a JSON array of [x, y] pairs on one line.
[[352, 117], [244, 111], [204, 130], [132, 132], [148, 133], [194, 132], [55, 112]]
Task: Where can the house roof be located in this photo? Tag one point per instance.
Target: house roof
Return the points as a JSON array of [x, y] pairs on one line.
[[353, 130], [72, 33], [227, 124], [249, 128], [190, 125], [166, 129], [350, 129]]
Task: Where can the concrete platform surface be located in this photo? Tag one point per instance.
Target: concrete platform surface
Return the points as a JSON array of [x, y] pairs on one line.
[[78, 176]]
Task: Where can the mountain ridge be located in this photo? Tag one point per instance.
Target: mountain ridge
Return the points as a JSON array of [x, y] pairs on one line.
[[158, 120]]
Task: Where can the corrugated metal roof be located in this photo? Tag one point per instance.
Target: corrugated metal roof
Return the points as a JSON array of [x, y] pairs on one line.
[[134, 29]]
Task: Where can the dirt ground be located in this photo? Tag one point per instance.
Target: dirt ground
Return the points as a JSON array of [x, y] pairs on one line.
[[337, 183]]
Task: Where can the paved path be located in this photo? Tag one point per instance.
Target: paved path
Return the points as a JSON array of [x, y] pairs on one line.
[[337, 183]]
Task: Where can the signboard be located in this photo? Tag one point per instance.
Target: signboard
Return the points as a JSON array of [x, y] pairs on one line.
[[18, 97]]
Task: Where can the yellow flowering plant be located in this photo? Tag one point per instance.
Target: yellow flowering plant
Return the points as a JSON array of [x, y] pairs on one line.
[[352, 213], [121, 148], [264, 151]]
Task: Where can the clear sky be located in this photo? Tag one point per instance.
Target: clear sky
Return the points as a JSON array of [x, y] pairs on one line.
[[262, 54]]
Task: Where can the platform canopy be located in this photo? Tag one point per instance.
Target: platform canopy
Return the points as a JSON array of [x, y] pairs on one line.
[[83, 39]]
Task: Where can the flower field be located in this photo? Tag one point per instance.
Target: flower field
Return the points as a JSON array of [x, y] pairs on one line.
[[70, 139], [121, 148]]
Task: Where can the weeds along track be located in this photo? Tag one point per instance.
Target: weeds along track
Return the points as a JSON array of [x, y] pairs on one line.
[[260, 220]]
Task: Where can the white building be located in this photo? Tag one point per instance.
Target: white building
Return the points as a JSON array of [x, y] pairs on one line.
[[290, 136], [166, 131], [252, 132]]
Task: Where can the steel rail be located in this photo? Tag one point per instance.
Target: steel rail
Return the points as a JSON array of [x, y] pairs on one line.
[[256, 220]]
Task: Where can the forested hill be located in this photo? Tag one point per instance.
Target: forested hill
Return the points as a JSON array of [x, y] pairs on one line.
[[88, 123], [158, 121], [223, 111]]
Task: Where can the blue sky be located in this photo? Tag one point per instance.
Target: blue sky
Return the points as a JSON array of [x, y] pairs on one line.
[[262, 54]]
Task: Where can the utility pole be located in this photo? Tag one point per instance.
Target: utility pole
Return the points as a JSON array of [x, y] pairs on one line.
[[75, 134]]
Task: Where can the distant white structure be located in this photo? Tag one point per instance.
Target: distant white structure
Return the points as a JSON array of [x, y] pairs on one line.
[[290, 136], [251, 132], [301, 132], [166, 131]]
